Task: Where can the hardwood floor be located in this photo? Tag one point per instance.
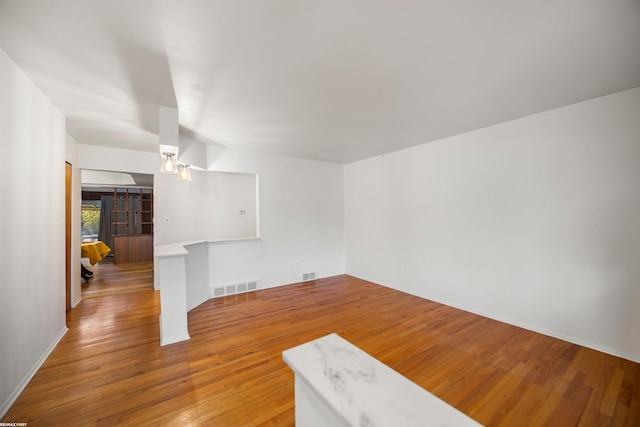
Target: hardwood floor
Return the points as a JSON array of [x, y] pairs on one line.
[[109, 278], [110, 370]]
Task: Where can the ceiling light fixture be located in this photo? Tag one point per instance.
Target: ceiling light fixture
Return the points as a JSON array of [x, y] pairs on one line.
[[184, 173], [169, 164]]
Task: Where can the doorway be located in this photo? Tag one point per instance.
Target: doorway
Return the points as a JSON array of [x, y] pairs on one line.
[[117, 213]]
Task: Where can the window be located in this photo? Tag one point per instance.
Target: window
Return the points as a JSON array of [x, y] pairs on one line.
[[90, 220]]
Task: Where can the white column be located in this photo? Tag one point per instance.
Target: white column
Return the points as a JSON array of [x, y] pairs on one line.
[[171, 274]]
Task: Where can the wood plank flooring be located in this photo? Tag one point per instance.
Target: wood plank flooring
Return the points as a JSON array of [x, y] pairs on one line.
[[110, 370], [109, 278]]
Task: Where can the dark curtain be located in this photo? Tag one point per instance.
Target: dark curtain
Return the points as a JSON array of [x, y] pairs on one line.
[[105, 231], [134, 215]]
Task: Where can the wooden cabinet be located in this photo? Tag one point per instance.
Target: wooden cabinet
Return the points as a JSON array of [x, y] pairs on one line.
[[132, 211], [132, 225], [132, 248]]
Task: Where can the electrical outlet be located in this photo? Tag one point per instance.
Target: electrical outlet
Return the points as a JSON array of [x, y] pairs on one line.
[[297, 263], [403, 269]]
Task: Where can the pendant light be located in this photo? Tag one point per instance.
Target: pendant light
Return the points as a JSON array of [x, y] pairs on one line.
[[184, 173], [169, 164]]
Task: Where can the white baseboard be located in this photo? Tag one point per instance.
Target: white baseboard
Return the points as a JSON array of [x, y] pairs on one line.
[[25, 381]]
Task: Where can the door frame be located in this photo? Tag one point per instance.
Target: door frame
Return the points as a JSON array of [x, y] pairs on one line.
[[68, 191]]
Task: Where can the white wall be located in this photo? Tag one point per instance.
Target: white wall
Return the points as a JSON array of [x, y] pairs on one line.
[[118, 160], [206, 208], [535, 222], [301, 204], [71, 156], [300, 209], [32, 230]]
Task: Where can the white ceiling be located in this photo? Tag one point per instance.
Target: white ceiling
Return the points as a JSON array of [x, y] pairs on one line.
[[333, 80]]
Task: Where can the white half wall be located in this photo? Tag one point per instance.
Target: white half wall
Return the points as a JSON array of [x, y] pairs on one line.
[[535, 222], [32, 230]]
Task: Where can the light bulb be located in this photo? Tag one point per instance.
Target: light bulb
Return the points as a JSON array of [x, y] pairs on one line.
[[184, 173], [169, 164]]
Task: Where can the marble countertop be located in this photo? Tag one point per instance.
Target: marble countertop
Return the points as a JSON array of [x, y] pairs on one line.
[[364, 391]]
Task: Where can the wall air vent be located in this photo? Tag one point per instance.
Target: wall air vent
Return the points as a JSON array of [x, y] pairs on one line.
[[233, 289]]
